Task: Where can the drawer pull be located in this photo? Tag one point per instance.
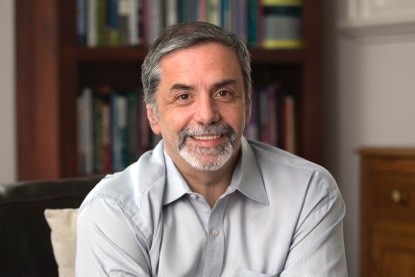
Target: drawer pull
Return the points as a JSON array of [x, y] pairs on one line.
[[398, 197]]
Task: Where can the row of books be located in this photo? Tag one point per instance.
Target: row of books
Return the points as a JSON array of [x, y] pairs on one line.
[[273, 117], [262, 23], [113, 129]]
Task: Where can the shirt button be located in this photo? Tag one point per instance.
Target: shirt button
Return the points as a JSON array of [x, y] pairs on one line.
[[215, 233]]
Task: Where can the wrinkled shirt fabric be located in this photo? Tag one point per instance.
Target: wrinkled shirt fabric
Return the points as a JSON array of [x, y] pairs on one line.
[[280, 216]]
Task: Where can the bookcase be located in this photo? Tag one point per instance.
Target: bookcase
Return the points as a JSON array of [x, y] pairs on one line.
[[52, 68]]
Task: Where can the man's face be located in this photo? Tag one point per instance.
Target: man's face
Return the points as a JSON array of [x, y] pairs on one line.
[[201, 106]]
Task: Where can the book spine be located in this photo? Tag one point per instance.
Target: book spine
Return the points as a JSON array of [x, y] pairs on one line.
[[252, 37], [133, 125], [289, 124], [97, 126], [133, 21], [123, 25], [106, 137], [112, 27], [81, 25], [213, 11], [154, 27], [251, 129], [171, 12], [281, 24], [201, 10], [85, 132], [119, 131], [101, 22], [92, 36]]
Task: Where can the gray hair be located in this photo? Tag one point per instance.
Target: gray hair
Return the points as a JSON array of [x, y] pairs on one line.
[[185, 35]]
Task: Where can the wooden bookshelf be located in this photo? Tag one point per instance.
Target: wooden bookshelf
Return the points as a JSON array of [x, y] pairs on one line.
[[52, 68]]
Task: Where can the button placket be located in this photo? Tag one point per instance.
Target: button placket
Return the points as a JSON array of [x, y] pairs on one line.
[[216, 241]]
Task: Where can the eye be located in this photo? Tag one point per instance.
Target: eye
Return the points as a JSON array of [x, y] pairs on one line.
[[183, 98], [225, 95]]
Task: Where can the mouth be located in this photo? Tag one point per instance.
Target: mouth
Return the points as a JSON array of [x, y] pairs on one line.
[[206, 137]]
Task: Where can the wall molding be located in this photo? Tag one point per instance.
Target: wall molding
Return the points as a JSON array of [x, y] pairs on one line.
[[367, 18]]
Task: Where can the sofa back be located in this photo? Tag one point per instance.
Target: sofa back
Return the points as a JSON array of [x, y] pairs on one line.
[[25, 244]]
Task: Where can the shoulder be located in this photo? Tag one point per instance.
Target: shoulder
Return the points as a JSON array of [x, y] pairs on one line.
[[136, 193], [292, 170]]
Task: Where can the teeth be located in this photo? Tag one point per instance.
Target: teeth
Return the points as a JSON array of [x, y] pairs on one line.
[[207, 137]]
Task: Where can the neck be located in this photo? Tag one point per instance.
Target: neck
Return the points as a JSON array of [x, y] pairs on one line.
[[210, 184]]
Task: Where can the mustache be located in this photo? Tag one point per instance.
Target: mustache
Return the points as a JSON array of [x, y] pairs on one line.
[[217, 129]]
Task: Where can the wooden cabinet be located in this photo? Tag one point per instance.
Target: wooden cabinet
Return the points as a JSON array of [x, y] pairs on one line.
[[387, 212], [52, 69]]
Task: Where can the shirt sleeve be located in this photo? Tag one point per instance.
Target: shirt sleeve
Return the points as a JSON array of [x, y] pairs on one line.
[[109, 243], [318, 248]]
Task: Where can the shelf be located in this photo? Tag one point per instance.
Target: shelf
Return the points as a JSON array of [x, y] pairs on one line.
[[112, 54], [290, 56], [137, 54]]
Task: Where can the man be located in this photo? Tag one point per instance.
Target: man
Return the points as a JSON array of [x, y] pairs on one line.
[[205, 201]]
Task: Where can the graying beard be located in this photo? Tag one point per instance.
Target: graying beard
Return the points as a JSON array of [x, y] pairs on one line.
[[223, 151]]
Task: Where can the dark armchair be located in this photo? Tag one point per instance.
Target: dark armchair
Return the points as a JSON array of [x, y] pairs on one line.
[[25, 246]]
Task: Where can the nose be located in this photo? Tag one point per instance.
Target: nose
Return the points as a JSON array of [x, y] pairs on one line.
[[206, 111]]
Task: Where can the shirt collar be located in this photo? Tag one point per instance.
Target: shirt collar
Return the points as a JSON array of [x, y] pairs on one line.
[[246, 178], [176, 186]]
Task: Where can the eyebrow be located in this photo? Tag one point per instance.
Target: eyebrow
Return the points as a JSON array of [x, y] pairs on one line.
[[215, 87]]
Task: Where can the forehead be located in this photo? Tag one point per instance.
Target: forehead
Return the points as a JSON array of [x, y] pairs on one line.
[[210, 51], [201, 62]]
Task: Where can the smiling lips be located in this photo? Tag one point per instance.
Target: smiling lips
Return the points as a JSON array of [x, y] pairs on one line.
[[206, 137]]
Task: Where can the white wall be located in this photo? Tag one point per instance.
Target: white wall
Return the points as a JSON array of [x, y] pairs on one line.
[[370, 96], [7, 103]]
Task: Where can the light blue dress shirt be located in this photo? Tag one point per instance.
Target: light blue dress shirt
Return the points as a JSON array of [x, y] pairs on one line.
[[280, 216]]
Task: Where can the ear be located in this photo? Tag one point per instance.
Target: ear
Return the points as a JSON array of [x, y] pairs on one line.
[[152, 118], [248, 113], [247, 118]]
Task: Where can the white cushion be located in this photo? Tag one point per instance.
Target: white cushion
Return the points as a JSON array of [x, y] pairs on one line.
[[62, 223]]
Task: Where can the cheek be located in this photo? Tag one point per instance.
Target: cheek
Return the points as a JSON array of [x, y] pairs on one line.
[[169, 127], [238, 118]]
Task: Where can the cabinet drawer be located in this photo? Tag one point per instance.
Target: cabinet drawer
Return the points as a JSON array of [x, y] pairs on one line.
[[392, 165], [393, 197], [393, 254]]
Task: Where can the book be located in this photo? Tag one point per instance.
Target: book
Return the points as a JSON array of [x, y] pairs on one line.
[[154, 22], [239, 18], [254, 19], [85, 132], [281, 24], [268, 114], [289, 124], [119, 142], [133, 15], [123, 22], [112, 29], [171, 12], [81, 25], [252, 128], [102, 130], [101, 7], [213, 12], [92, 24], [133, 113]]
